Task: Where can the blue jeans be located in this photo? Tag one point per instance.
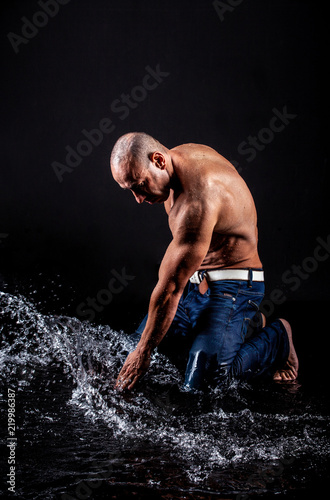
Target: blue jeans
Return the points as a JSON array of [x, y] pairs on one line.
[[208, 335]]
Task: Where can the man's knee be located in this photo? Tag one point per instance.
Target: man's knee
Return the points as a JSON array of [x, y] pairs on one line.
[[203, 369]]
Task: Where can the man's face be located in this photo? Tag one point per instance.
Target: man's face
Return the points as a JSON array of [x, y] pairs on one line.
[[151, 185]]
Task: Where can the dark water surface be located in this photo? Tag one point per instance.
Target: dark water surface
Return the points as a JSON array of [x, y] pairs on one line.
[[77, 438]]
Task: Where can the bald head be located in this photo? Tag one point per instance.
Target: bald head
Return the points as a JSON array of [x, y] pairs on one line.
[[133, 151], [144, 166]]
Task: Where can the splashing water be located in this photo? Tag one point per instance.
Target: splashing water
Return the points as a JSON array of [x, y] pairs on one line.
[[158, 438]]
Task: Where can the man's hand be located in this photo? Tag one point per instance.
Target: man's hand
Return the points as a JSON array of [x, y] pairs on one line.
[[136, 364]]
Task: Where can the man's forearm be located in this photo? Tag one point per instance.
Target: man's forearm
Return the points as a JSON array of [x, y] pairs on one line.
[[162, 308], [163, 305]]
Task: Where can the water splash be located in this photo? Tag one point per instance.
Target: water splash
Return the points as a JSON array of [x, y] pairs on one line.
[[201, 435]]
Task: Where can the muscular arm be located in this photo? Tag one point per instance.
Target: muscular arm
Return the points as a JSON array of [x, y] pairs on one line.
[[192, 230]]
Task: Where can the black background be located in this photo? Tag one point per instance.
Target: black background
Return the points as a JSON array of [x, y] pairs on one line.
[[61, 240]]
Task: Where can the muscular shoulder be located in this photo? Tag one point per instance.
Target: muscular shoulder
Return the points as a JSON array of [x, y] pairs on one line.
[[192, 148], [202, 170], [197, 154], [210, 185], [192, 157]]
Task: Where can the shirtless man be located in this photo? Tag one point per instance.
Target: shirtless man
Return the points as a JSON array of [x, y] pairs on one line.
[[210, 279]]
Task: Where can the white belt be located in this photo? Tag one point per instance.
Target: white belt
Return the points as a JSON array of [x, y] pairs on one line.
[[227, 274]]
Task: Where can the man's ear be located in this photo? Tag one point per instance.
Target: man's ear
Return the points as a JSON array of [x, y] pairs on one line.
[[158, 159]]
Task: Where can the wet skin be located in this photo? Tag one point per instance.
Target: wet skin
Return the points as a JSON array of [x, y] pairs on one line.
[[213, 221]]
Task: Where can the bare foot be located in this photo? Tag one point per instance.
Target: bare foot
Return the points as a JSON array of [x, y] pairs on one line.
[[290, 369]]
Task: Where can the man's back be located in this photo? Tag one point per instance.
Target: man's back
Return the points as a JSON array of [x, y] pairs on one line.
[[206, 178]]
